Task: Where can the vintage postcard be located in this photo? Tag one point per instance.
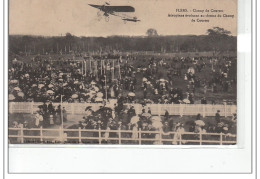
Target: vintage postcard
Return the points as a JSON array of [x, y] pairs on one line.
[[126, 72]]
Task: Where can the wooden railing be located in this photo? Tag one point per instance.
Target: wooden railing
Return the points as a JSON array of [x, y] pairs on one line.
[[99, 136], [156, 109]]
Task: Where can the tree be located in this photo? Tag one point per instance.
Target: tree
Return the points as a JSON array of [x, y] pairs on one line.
[[218, 31], [151, 32], [218, 37]]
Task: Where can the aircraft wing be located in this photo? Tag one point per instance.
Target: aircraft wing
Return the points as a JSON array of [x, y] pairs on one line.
[[95, 6], [114, 8], [120, 8]]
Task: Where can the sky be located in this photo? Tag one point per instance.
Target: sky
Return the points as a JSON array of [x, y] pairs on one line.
[[57, 17]]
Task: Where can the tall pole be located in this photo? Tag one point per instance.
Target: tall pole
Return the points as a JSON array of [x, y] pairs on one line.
[[90, 66], [96, 70], [85, 67], [61, 113], [101, 64], [104, 67], [106, 86], [82, 63], [119, 70], [113, 70]]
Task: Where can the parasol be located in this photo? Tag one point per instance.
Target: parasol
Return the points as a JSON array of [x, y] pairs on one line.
[[98, 99], [225, 128], [17, 89], [200, 123], [93, 83], [26, 75], [11, 97], [74, 96], [34, 85], [99, 94], [145, 79], [65, 84], [50, 85], [146, 115], [134, 119], [162, 80], [21, 94], [50, 92], [40, 85], [131, 94], [14, 81], [186, 101]]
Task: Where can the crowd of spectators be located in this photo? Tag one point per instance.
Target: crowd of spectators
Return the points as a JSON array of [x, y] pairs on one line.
[[96, 80]]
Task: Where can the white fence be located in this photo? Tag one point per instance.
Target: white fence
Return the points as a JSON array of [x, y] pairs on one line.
[[98, 136], [156, 109]]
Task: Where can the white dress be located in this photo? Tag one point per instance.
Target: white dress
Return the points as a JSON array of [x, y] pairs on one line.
[[112, 93], [106, 135], [177, 135], [135, 133]]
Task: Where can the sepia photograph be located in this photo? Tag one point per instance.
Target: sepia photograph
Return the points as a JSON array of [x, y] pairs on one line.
[[125, 72]]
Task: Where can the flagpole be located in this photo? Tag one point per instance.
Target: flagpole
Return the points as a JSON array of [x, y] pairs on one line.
[[119, 70], [113, 72], [82, 67], [85, 67], [106, 86], [90, 65], [101, 64], [61, 111]]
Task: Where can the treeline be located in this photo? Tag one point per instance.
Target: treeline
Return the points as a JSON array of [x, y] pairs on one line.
[[70, 43]]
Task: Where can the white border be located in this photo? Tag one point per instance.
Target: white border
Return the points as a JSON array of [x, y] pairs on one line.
[[150, 160]]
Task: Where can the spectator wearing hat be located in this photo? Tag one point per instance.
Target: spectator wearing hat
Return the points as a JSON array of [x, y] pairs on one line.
[[203, 100], [217, 116], [149, 110], [38, 120], [50, 108], [198, 116], [64, 114], [166, 115], [177, 136]]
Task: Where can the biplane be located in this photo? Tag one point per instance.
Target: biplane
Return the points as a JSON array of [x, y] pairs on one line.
[[119, 11]]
